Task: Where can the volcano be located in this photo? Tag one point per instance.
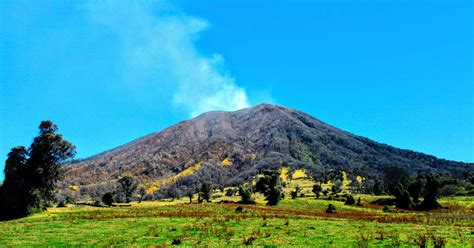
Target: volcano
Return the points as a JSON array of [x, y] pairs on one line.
[[230, 147]]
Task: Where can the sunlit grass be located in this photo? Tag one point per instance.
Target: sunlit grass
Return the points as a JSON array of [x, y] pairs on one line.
[[299, 222]]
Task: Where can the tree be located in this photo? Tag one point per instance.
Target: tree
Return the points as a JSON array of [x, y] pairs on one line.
[[190, 194], [13, 191], [294, 194], [141, 194], [317, 190], [350, 200], [432, 186], [205, 191], [416, 187], [108, 198], [246, 195], [270, 186], [397, 180], [128, 185], [43, 168], [31, 176], [402, 197], [173, 192], [336, 187], [396, 177]]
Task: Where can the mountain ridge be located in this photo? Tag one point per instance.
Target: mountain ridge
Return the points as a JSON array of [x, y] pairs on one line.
[[252, 139]]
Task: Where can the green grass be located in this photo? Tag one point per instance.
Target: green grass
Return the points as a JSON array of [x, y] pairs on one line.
[[299, 222]]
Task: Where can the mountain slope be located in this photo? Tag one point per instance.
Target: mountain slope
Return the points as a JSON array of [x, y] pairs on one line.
[[232, 146]]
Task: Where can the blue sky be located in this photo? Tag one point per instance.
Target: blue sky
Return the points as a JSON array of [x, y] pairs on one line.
[[107, 72]]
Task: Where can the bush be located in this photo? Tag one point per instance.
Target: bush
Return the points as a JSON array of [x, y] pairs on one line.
[[451, 190], [331, 209], [230, 192], [350, 200], [239, 209], [176, 241], [108, 198], [97, 204], [384, 202], [325, 192], [246, 195], [62, 205], [294, 194]]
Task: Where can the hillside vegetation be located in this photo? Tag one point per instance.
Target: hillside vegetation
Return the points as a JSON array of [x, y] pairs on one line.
[[231, 148]]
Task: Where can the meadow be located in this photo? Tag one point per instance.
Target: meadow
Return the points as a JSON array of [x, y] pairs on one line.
[[294, 222]]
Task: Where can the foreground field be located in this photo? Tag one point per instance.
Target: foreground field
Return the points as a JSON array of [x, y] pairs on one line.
[[299, 222]]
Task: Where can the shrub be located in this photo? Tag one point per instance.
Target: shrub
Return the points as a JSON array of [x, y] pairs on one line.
[[108, 198], [62, 204], [239, 209], [97, 204], [176, 241], [294, 194], [325, 192], [331, 209], [230, 192], [350, 200], [246, 195]]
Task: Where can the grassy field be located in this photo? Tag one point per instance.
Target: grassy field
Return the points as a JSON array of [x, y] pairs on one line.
[[299, 222]]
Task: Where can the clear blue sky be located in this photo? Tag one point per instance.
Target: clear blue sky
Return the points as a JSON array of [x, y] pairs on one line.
[[398, 72]]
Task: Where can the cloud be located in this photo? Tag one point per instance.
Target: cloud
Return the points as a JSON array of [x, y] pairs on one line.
[[158, 43]]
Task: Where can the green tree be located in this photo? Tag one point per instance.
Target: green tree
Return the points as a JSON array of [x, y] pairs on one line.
[[270, 186], [43, 170], [108, 198], [246, 195], [416, 187], [397, 180], [317, 190], [432, 189], [13, 191], [294, 193], [127, 186], [205, 192], [396, 177]]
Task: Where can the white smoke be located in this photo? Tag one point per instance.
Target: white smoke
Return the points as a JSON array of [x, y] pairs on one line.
[[158, 39]]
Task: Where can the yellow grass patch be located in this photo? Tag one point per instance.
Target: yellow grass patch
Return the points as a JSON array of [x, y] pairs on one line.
[[299, 174], [227, 162], [284, 173], [154, 186], [74, 187]]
